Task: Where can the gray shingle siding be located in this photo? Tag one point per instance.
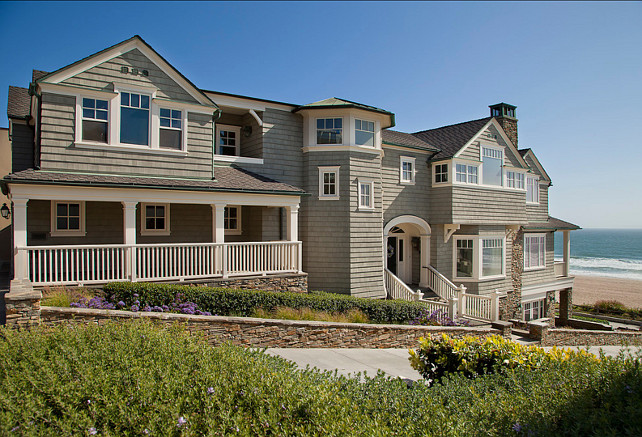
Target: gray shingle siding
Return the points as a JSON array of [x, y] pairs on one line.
[[548, 273], [22, 147]]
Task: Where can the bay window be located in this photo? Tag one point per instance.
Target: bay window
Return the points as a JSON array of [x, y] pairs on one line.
[[466, 174], [364, 133], [534, 252], [515, 180], [479, 257], [330, 131]]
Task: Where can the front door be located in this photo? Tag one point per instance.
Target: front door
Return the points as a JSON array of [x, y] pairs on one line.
[[397, 252]]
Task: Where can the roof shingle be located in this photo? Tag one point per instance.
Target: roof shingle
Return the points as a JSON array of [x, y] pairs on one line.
[[403, 139], [552, 224], [227, 179], [18, 102], [450, 139]]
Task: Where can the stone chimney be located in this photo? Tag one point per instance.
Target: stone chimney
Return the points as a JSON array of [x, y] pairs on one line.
[[506, 115]]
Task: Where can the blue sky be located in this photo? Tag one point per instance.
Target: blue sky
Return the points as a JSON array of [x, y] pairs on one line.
[[574, 70]]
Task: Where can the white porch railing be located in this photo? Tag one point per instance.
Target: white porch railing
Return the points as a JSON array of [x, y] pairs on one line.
[[441, 285], [477, 306], [397, 289], [66, 265], [434, 305]]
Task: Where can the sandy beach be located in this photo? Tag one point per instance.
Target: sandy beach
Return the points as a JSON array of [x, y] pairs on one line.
[[590, 289]]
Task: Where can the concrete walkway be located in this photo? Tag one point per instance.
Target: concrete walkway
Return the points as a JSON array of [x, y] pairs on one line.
[[394, 362]]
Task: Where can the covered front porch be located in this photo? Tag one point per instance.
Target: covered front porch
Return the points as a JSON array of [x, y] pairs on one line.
[[82, 235]]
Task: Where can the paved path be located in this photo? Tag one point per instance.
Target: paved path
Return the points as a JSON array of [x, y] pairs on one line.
[[394, 362]]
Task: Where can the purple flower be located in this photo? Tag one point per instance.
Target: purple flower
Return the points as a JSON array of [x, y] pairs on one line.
[[88, 401], [181, 421], [93, 431], [134, 308], [517, 427], [210, 390], [120, 303]]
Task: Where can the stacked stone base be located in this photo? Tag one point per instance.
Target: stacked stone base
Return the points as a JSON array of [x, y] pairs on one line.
[[22, 305], [295, 282]]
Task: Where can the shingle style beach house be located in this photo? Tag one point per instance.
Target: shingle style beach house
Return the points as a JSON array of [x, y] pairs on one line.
[[124, 170]]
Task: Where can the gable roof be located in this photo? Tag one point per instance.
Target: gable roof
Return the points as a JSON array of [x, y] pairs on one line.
[[450, 139], [397, 138], [335, 102], [529, 153], [231, 179], [18, 103], [123, 47]]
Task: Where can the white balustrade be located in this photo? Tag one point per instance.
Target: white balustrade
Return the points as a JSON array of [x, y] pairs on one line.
[[477, 306], [433, 305], [441, 285], [397, 289], [63, 265]]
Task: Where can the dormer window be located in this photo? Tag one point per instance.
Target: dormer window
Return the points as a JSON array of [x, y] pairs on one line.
[[134, 119], [228, 140], [330, 131], [364, 133]]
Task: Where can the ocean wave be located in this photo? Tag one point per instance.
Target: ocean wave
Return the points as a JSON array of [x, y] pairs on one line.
[[616, 268]]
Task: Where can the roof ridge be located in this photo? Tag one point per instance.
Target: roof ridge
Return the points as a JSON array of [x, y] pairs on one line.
[[451, 125]]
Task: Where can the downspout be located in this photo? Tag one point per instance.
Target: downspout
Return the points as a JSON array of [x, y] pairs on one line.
[[37, 142], [215, 117]]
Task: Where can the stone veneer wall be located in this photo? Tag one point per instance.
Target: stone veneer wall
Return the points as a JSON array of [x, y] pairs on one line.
[[246, 331], [296, 282], [510, 306], [23, 309], [547, 336]]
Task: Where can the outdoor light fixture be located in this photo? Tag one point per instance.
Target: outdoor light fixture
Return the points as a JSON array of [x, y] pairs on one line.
[[5, 211], [247, 131]]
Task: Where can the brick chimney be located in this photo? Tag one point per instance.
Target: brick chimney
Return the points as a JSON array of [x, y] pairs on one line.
[[506, 115]]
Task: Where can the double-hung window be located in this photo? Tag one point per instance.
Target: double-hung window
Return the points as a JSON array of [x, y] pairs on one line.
[[441, 173], [95, 116], [364, 133], [407, 170], [515, 180], [329, 183], [171, 132], [492, 257], [134, 119], [492, 163], [534, 252], [232, 220], [366, 195], [466, 174], [67, 218], [532, 190], [464, 258], [155, 219], [330, 131], [228, 140]]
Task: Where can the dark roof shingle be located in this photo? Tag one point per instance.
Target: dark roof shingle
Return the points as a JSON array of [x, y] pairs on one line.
[[38, 74], [403, 139], [18, 102], [227, 179], [552, 224], [450, 139]]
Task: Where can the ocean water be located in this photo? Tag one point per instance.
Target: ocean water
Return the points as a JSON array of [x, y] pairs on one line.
[[604, 252]]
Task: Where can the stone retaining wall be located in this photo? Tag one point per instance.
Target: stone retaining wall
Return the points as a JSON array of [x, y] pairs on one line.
[[22, 309], [246, 331], [541, 331], [295, 282]]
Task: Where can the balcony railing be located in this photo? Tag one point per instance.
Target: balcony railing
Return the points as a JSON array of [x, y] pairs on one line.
[[80, 265]]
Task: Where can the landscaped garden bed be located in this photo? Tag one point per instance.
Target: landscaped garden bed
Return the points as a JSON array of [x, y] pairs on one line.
[[134, 378], [611, 308]]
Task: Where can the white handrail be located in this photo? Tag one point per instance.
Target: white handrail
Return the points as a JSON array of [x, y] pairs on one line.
[[441, 285], [397, 289], [478, 306], [95, 264]]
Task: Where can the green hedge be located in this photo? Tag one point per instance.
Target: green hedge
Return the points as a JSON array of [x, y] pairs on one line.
[[229, 302], [131, 377]]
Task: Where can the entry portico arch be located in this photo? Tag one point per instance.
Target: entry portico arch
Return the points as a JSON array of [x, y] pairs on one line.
[[397, 237]]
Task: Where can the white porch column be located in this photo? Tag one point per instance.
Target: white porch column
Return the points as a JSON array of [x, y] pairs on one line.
[[20, 267], [293, 223], [129, 236], [567, 252], [218, 222], [425, 261]]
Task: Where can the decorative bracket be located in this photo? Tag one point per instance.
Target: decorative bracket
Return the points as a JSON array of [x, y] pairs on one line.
[[256, 117], [449, 230]]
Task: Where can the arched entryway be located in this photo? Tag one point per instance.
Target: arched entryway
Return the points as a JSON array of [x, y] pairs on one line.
[[407, 249]]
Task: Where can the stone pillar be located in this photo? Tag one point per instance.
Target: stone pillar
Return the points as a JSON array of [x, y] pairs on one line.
[[425, 261], [566, 305], [511, 307], [20, 267], [23, 307]]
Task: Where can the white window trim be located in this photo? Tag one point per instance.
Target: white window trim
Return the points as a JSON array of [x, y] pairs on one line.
[[239, 225], [468, 164], [322, 171], [536, 179], [67, 232], [343, 131], [542, 305], [183, 128], [374, 132], [478, 257], [542, 267], [227, 127], [143, 220], [516, 171], [361, 207], [113, 99], [480, 176], [448, 173], [411, 160]]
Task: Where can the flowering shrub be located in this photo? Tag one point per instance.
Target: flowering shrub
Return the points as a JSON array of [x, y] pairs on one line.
[[437, 318], [472, 356], [178, 305]]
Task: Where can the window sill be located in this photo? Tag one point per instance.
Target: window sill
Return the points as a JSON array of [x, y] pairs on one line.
[[534, 269], [232, 232], [406, 182], [365, 209], [68, 233], [151, 233], [328, 197], [238, 159], [129, 148], [532, 203]]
